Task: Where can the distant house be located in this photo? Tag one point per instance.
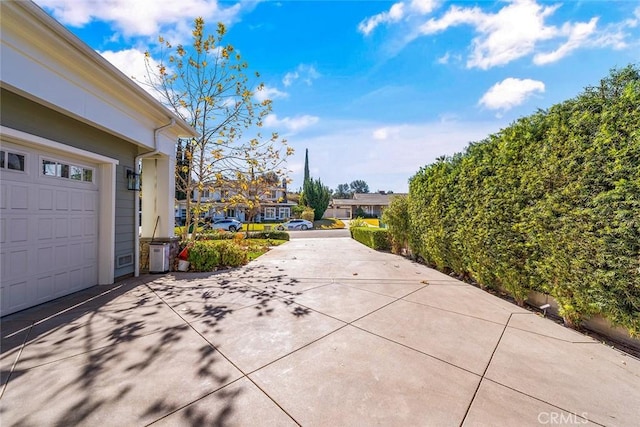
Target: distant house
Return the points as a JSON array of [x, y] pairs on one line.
[[220, 202], [362, 204], [73, 132]]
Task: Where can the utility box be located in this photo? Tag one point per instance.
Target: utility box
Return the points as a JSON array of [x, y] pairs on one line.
[[159, 257]]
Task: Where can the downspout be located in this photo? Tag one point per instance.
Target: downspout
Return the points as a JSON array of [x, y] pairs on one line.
[[139, 157]]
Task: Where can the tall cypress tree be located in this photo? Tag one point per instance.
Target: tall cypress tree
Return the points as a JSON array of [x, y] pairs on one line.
[[303, 199], [306, 166]]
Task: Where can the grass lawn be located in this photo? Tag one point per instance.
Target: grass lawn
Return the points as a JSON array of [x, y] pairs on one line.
[[328, 224], [373, 222], [257, 247], [259, 227]]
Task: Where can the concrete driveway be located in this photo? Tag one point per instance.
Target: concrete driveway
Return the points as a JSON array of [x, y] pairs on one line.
[[316, 332]]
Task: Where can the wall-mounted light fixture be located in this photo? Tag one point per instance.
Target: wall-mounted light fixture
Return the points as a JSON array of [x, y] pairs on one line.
[[133, 180]]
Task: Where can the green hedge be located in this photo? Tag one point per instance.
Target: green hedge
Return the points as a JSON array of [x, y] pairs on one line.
[[375, 238], [209, 255], [550, 203], [274, 235]]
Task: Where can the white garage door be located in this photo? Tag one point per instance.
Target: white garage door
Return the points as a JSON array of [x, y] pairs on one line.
[[48, 226]]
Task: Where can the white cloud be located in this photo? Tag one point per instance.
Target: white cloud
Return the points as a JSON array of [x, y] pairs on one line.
[[510, 93], [578, 35], [268, 92], [141, 17], [397, 12], [303, 72], [520, 28], [444, 59], [423, 7], [394, 14], [616, 35], [509, 34], [292, 124], [132, 63], [381, 134]]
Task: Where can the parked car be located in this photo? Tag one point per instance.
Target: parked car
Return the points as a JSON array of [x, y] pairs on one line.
[[228, 224], [295, 224]]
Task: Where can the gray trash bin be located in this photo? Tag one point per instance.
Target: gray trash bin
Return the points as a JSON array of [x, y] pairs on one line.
[[159, 258]]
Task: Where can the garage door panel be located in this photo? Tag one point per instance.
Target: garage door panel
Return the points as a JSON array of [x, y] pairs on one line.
[[45, 228], [75, 254], [3, 195], [89, 227], [61, 254], [77, 227], [16, 296], [19, 198], [19, 230], [77, 202], [45, 288], [62, 228], [61, 283], [48, 231], [90, 202], [62, 200], [18, 263], [45, 259], [45, 199], [89, 250], [76, 278]]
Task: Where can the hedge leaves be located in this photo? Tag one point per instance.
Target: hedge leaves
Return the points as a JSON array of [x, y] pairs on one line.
[[551, 203]]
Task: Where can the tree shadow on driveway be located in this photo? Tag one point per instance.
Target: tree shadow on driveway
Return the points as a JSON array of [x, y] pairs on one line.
[[128, 354]]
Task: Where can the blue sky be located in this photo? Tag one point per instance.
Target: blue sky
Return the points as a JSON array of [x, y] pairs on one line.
[[377, 89]]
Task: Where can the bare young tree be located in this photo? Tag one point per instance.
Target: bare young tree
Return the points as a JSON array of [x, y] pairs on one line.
[[206, 84]]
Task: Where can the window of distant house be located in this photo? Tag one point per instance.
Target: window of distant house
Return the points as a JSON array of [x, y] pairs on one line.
[[57, 169], [285, 213], [270, 213], [273, 194], [11, 161]]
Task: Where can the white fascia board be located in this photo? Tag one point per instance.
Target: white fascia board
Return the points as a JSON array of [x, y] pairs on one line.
[[14, 135], [45, 62]]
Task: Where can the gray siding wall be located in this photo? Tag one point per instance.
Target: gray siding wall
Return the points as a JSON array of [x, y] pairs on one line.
[[22, 114]]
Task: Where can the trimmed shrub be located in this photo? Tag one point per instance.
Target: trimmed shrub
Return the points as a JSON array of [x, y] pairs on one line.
[[356, 223], [209, 255], [375, 238], [217, 235], [308, 214], [396, 217], [232, 255], [274, 235]]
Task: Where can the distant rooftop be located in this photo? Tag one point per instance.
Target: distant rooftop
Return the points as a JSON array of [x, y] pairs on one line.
[[370, 199]]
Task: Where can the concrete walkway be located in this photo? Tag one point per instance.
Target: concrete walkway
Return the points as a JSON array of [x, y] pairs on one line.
[[316, 332]]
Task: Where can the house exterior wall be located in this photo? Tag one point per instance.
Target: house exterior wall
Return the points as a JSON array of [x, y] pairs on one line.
[[337, 212], [215, 199], [61, 98], [22, 114]]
